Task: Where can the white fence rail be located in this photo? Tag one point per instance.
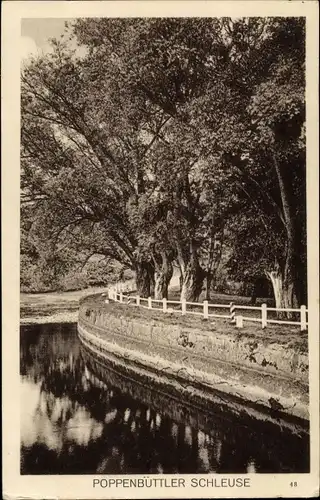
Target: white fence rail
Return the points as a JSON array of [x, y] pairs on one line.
[[207, 310]]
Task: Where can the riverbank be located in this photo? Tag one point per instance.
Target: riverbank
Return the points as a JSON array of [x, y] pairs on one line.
[[255, 366], [286, 335], [53, 307]]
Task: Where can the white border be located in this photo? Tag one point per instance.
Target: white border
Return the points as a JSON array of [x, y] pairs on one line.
[[80, 487]]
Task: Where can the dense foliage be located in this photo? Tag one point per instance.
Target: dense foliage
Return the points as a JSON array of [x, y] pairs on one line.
[[169, 142]]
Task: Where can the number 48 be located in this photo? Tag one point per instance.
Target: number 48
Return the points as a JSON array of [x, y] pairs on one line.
[[293, 484]]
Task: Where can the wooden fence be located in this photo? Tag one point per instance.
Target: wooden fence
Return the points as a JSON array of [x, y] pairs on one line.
[[206, 310]]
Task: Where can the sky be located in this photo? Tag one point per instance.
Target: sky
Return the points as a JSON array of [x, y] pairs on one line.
[[35, 34]]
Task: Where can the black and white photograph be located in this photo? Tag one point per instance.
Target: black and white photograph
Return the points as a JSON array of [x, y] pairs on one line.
[[164, 256]]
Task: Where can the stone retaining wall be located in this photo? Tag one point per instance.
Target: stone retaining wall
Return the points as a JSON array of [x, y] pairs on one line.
[[274, 375]]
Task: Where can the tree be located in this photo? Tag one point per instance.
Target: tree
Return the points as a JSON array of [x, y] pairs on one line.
[[255, 117], [145, 147], [278, 108], [78, 170]]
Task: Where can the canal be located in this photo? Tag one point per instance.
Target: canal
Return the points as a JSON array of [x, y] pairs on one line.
[[79, 417]]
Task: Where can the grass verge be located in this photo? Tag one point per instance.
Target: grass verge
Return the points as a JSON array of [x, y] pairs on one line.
[[280, 334]]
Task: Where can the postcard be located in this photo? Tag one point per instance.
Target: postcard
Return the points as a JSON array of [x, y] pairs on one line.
[[160, 249]]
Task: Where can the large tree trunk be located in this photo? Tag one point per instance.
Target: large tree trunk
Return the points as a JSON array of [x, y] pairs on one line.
[[213, 258], [289, 289], [192, 284], [209, 264], [211, 272], [144, 278], [162, 276], [192, 281], [277, 285], [192, 273], [208, 282], [152, 281], [180, 280], [283, 290], [288, 294]]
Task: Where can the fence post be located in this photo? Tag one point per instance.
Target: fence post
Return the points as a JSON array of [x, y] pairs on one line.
[[303, 318], [138, 300], [183, 306], [121, 297], [205, 309], [164, 305], [239, 321], [263, 315], [149, 303], [232, 312]]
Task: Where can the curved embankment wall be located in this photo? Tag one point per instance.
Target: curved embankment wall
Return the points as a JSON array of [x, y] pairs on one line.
[[272, 377]]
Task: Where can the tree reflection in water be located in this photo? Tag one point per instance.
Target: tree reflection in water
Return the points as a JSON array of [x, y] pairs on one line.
[[79, 417]]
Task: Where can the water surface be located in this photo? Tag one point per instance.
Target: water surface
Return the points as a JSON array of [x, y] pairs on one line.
[[79, 417]]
